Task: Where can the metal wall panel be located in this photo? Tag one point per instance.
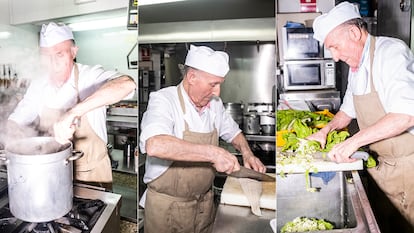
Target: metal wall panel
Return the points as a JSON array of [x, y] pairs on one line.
[[393, 21], [252, 69]]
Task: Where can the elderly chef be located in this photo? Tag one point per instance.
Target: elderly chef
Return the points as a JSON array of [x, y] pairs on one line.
[[70, 102], [379, 95], [180, 132]]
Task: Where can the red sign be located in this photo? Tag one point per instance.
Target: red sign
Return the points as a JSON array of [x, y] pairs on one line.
[[308, 6], [145, 54]]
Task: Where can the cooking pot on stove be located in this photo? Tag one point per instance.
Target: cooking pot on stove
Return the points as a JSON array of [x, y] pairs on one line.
[[251, 124], [40, 178], [267, 124]]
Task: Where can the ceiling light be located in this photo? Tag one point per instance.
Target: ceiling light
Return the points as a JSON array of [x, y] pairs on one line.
[[99, 24], [4, 35], [152, 2]]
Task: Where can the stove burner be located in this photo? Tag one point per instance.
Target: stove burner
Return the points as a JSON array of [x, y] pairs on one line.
[[44, 228], [80, 219]]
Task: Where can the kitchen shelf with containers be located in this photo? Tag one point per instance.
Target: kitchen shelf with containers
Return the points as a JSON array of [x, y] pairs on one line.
[[123, 114], [122, 125]]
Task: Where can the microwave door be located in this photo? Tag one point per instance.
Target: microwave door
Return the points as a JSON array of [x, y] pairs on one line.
[[302, 76]]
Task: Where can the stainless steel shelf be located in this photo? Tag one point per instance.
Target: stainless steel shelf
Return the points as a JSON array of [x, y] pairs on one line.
[[262, 138], [124, 165], [122, 121]]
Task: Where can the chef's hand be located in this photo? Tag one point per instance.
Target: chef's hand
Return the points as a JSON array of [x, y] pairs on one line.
[[65, 128], [320, 137], [224, 161], [342, 152], [252, 162]]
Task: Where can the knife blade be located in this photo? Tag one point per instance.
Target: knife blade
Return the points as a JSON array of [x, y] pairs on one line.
[[252, 174], [360, 155]]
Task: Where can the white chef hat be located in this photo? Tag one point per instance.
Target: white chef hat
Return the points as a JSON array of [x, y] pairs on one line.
[[325, 23], [52, 34], [208, 60]]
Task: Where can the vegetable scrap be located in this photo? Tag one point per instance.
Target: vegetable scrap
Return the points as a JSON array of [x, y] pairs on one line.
[[303, 224]]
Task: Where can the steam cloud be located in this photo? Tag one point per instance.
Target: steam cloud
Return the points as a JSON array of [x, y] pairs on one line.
[[18, 67]]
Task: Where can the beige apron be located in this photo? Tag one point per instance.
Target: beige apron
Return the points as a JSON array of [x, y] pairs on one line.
[[95, 165], [181, 200], [395, 172]]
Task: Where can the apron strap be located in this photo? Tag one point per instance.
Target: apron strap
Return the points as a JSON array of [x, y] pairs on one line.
[[371, 61], [76, 74], [180, 97]]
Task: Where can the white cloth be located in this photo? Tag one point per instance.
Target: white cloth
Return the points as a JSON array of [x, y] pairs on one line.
[[40, 94], [326, 22], [208, 60], [52, 34], [165, 116], [393, 77]]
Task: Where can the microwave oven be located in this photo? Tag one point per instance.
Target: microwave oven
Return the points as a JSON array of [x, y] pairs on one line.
[[309, 74]]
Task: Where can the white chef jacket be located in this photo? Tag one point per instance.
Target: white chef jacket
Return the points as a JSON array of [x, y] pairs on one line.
[[40, 94], [393, 77], [165, 116]]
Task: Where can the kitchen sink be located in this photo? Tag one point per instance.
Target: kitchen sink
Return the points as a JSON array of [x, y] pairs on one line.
[[340, 199]]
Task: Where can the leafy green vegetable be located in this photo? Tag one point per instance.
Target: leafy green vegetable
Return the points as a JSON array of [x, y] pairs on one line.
[[334, 137], [303, 224], [301, 129], [285, 118], [371, 162]]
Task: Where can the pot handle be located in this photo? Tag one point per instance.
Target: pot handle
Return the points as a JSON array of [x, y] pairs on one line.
[[76, 154], [3, 158]]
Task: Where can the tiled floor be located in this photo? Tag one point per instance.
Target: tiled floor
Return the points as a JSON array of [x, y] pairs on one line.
[[126, 185], [128, 227]]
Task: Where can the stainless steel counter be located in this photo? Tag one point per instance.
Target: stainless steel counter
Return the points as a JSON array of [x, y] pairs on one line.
[[240, 219]]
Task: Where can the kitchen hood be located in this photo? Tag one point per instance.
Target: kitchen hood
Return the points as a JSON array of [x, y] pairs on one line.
[[249, 29]]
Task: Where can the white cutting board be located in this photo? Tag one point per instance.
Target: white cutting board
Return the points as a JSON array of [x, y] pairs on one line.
[[319, 165], [233, 194]]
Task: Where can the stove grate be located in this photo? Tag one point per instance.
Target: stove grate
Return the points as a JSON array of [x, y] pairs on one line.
[[80, 219]]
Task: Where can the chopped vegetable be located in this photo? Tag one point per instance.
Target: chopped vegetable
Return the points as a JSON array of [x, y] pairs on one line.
[[303, 224], [302, 160], [297, 126], [308, 147]]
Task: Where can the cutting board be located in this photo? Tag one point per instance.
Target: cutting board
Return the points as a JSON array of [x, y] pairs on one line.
[[232, 194], [320, 165]]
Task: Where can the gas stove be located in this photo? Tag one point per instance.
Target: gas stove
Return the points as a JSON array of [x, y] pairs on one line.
[[93, 211]]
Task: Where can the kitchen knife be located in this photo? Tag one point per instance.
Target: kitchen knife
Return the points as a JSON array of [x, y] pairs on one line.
[[360, 155], [252, 174]]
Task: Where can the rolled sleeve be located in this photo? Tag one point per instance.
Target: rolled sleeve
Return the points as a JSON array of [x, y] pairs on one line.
[[157, 119]]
